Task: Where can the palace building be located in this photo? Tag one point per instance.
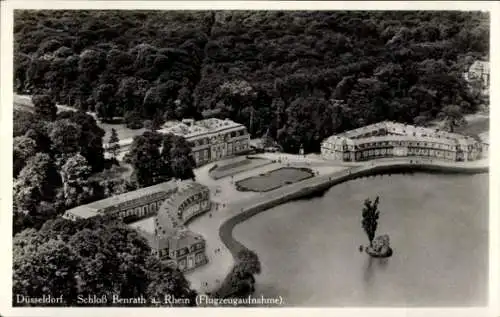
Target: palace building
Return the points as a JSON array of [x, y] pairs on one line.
[[128, 206], [171, 239], [172, 205], [212, 139], [391, 139]]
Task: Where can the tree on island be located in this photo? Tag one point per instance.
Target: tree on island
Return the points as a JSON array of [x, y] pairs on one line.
[[370, 218], [379, 246], [113, 147]]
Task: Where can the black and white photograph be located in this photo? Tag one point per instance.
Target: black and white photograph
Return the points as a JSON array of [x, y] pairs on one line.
[[253, 157]]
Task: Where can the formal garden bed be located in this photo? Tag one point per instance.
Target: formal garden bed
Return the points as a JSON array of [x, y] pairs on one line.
[[274, 179]]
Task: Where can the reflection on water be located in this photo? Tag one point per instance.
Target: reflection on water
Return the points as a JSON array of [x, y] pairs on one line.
[[368, 273], [437, 225]]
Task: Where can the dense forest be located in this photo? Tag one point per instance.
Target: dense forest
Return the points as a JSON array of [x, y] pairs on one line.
[[92, 259], [295, 76]]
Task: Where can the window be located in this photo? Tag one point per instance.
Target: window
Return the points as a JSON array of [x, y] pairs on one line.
[[182, 264], [199, 257]]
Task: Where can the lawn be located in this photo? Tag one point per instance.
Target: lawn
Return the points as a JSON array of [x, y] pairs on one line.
[[274, 179], [122, 131], [237, 166], [116, 172]]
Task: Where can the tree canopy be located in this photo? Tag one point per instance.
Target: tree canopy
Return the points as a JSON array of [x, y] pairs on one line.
[[91, 257], [255, 67], [370, 215], [157, 158]]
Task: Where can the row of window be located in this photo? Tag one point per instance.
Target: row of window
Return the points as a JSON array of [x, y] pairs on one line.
[[224, 136], [123, 213], [206, 154], [144, 199], [141, 211], [193, 199], [180, 252], [187, 264], [400, 143], [410, 152], [192, 248], [195, 210]]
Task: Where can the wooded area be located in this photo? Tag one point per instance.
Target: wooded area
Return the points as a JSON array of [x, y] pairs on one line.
[[91, 259], [298, 75]]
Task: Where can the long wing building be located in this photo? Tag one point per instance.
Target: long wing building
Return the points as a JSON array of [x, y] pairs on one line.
[[171, 205], [392, 139]]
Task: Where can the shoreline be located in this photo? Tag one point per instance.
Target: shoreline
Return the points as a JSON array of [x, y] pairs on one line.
[[321, 184]]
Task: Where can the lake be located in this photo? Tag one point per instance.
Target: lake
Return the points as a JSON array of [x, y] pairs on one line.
[[438, 226]]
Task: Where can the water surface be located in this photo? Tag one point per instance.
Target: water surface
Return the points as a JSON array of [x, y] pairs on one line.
[[438, 226]]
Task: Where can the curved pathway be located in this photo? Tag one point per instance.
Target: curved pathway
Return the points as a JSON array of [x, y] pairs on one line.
[[241, 206], [251, 207]]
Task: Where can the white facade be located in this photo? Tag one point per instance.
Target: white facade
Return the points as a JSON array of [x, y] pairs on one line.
[[391, 139], [212, 139]]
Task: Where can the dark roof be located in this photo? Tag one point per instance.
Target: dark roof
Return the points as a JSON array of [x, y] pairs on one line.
[[90, 210], [182, 194], [184, 238]]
